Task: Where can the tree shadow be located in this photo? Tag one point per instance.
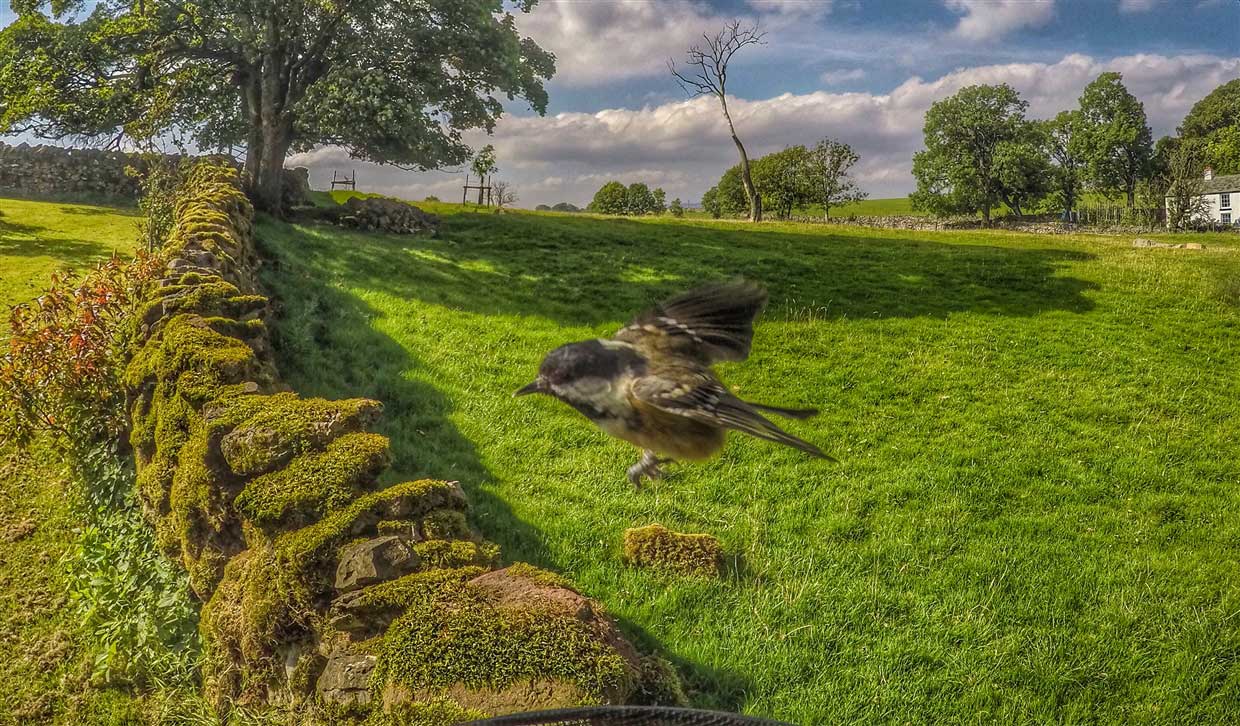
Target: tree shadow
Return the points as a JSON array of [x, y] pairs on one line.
[[584, 271], [326, 345], [92, 210], [26, 240]]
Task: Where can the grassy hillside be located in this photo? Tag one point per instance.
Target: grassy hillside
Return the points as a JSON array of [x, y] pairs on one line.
[[1035, 517], [44, 669]]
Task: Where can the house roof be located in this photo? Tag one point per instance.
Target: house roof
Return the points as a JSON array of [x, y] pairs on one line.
[[1227, 183]]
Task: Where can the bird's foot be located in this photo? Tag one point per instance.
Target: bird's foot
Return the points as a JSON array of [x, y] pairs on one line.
[[648, 467]]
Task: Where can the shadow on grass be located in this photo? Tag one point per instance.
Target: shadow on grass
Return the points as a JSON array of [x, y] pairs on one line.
[[326, 344], [586, 271], [26, 240]]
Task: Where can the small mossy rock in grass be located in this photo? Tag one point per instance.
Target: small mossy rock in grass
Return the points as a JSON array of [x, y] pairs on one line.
[[660, 548], [290, 425], [315, 483], [660, 684], [506, 642]]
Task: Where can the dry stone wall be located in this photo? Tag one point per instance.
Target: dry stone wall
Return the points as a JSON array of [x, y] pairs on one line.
[[318, 582], [52, 171]]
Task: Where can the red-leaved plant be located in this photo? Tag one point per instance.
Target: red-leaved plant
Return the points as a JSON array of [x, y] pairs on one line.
[[60, 371]]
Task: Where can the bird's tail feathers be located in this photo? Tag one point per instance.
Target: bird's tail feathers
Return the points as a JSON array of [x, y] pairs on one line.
[[741, 416], [798, 413]]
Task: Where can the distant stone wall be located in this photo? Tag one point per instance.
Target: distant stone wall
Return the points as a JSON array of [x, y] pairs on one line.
[[52, 171]]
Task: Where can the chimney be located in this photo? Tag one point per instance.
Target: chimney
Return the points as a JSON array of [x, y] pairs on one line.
[[1209, 173]]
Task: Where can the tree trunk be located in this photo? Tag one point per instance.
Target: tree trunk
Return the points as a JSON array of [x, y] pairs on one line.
[[986, 216], [755, 201], [267, 191]]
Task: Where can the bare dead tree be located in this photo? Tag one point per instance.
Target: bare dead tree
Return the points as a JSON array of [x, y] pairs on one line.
[[707, 73], [504, 194]]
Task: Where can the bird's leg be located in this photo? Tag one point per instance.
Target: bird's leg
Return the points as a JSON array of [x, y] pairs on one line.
[[647, 467]]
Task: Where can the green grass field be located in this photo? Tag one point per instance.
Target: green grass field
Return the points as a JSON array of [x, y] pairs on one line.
[[1035, 517], [37, 238], [44, 669]]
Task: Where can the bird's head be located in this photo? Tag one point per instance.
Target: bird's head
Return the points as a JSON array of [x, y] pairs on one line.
[[579, 374]]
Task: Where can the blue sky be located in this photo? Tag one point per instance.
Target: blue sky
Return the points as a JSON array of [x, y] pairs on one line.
[[861, 71]]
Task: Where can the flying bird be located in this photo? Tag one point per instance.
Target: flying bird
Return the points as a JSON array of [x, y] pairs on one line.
[[651, 384]]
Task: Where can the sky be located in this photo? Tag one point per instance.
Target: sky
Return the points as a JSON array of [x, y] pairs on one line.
[[860, 71]]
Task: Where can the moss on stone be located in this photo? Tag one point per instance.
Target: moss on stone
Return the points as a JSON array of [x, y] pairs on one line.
[[314, 483], [459, 637], [446, 524], [419, 587], [186, 344], [256, 607], [431, 712], [658, 547], [540, 576], [400, 527], [300, 549], [439, 553], [660, 684], [290, 425]]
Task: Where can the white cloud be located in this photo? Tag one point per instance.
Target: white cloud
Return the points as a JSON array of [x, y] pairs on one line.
[[844, 75], [799, 8], [683, 146], [988, 20], [598, 42], [1136, 6]]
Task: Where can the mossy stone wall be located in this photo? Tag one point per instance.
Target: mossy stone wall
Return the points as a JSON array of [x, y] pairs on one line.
[[317, 581]]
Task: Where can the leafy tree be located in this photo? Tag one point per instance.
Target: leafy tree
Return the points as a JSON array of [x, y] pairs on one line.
[[638, 199], [676, 208], [1022, 169], [1064, 145], [611, 198], [1214, 121], [1118, 143], [965, 163], [731, 198], [660, 201], [1184, 185], [542, 208], [565, 207], [781, 180], [827, 181], [484, 163], [392, 82], [707, 74], [710, 202]]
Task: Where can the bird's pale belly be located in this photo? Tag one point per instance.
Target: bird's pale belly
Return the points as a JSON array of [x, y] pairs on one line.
[[668, 435]]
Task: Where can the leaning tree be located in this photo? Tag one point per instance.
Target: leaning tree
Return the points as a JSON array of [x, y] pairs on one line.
[[390, 81], [707, 73]]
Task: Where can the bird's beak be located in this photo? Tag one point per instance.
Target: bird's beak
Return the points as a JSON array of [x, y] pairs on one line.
[[535, 386]]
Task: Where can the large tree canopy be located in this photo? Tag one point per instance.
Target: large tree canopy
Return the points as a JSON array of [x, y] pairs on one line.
[[391, 81], [1214, 123], [980, 151], [1117, 141]]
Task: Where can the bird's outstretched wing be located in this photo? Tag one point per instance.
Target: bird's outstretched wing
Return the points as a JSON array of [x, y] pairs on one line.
[[700, 396], [707, 324]]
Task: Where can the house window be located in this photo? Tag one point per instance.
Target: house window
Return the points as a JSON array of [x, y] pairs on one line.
[[1226, 218], [1224, 201]]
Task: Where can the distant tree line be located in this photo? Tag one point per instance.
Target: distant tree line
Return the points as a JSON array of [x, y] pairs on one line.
[[983, 154], [558, 207], [787, 180], [636, 199]]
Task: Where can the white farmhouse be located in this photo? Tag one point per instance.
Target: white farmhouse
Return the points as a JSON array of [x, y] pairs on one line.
[[1221, 197]]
